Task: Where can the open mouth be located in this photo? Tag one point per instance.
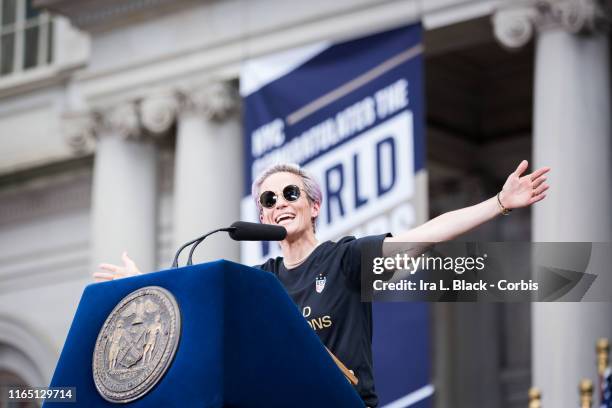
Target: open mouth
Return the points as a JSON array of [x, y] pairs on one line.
[[284, 218]]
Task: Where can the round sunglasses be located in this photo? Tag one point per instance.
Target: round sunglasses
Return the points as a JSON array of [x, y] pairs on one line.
[[268, 199]]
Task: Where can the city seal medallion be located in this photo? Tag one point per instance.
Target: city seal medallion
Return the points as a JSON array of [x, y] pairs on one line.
[[136, 344]]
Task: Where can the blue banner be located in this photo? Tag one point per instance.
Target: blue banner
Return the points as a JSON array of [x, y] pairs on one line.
[[351, 113]]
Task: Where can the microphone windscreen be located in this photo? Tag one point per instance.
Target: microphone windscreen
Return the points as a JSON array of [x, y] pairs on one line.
[[250, 231]]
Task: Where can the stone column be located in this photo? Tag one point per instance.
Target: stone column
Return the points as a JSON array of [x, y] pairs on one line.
[[123, 215], [571, 135], [208, 170]]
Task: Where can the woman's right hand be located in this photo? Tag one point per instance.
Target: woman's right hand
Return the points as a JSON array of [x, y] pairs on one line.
[[110, 272]]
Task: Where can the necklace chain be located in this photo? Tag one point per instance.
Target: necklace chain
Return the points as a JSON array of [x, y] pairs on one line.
[[301, 260]]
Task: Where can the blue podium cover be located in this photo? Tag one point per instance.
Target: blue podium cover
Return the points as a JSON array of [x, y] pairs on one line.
[[243, 343]]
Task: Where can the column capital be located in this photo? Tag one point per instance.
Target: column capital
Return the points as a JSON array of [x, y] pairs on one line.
[[78, 129], [216, 100], [144, 119], [158, 112], [514, 25], [120, 120]]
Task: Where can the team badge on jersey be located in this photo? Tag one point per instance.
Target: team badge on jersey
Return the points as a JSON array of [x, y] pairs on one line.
[[320, 283]]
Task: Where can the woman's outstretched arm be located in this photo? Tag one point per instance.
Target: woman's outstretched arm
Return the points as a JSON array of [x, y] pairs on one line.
[[518, 191]]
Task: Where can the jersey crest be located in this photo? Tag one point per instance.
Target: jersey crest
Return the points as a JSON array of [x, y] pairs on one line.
[[320, 283]]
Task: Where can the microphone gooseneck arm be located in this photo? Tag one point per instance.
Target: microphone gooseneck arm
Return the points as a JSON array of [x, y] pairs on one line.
[[196, 241], [201, 239], [192, 249], [238, 231]]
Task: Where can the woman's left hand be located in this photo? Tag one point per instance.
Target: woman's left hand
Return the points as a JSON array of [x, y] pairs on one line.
[[522, 191]]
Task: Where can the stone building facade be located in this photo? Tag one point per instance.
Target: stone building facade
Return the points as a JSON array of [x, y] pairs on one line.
[[120, 126]]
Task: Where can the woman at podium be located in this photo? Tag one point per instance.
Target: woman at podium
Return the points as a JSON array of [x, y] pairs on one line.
[[323, 278]]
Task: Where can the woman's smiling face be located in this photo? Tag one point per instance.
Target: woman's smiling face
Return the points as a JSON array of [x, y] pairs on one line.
[[296, 216]]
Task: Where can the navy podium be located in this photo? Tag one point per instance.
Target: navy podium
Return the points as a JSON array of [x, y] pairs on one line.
[[243, 343]]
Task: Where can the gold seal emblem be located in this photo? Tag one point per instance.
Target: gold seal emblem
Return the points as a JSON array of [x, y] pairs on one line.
[[136, 344]]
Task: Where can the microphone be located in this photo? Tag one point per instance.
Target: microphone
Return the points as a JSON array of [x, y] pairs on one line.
[[251, 231], [238, 231]]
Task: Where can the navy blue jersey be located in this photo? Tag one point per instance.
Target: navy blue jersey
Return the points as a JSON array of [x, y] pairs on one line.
[[327, 289]]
